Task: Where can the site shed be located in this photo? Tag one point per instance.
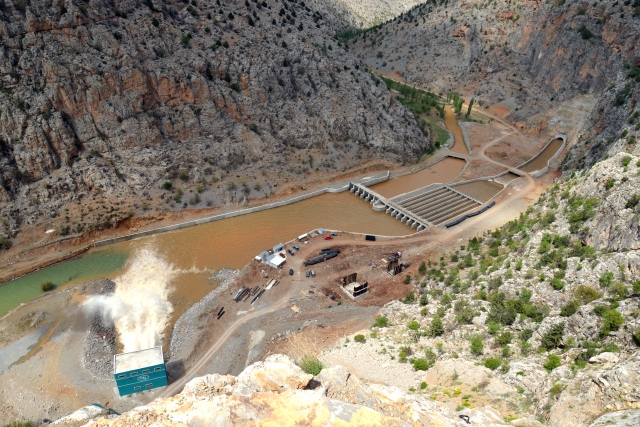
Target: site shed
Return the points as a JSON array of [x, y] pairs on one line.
[[276, 260], [141, 370]]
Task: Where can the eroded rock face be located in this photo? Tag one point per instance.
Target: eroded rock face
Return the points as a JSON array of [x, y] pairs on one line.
[[113, 97]]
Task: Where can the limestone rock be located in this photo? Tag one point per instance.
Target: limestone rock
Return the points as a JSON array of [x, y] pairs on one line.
[[604, 358]]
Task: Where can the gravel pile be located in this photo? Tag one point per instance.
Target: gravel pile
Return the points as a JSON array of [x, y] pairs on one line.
[[100, 344], [185, 331]]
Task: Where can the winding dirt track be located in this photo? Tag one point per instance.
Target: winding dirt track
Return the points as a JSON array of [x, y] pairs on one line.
[[509, 208]]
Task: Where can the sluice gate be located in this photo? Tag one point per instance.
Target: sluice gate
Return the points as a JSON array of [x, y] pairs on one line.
[[434, 205]]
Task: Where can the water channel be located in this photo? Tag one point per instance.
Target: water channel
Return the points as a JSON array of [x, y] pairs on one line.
[[540, 161]]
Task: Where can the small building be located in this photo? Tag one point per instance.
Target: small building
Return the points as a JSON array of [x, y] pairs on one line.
[[303, 237], [262, 257], [279, 247], [140, 370], [276, 260]]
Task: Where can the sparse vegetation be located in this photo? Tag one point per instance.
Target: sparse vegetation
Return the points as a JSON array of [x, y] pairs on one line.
[[310, 364]]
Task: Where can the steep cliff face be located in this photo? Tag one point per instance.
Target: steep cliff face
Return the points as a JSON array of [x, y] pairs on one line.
[[554, 67], [115, 96]]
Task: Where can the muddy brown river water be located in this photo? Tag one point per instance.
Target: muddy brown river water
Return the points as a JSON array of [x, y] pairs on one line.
[[541, 160]]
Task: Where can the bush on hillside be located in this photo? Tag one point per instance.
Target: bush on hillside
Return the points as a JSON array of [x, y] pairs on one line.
[[310, 364], [585, 294], [569, 309], [553, 362], [553, 337], [492, 363], [611, 321], [381, 322]]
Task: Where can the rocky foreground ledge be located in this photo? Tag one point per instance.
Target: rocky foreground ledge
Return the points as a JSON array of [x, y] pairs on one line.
[[277, 392]]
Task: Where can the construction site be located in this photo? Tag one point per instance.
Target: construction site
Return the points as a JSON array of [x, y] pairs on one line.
[[329, 282]]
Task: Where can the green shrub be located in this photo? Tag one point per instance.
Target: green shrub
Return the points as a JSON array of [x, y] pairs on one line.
[[618, 290], [611, 321], [359, 338], [423, 385], [167, 185], [553, 337], [585, 33], [407, 279], [465, 316], [424, 299], [18, 424], [569, 309], [492, 363], [381, 322], [476, 345], [585, 294], [422, 269], [525, 334], [493, 328], [409, 298], [47, 286], [436, 328], [553, 361], [633, 201], [4, 243], [310, 364], [414, 325], [420, 364], [606, 279], [608, 184], [557, 284], [504, 338], [636, 337]]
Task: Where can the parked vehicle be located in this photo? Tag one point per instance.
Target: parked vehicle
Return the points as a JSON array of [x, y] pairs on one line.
[[290, 251], [307, 274], [313, 273], [327, 237], [291, 272], [296, 248], [334, 234]]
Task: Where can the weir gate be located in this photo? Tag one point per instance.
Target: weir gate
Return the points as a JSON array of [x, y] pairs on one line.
[[429, 206]]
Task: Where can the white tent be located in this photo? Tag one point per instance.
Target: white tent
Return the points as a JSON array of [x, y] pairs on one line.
[[276, 260]]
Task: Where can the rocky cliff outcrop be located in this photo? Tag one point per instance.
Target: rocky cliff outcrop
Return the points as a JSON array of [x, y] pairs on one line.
[[277, 392], [116, 97]]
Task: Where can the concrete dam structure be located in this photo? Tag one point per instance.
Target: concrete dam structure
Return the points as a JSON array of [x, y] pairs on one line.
[[427, 207], [381, 204]]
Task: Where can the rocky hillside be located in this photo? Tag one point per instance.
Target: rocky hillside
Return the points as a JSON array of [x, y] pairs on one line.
[[118, 97], [543, 311], [563, 66], [364, 14]]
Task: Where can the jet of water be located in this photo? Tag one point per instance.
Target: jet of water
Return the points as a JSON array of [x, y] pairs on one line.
[[140, 306]]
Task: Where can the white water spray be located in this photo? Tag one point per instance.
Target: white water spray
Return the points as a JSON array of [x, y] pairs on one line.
[[140, 306]]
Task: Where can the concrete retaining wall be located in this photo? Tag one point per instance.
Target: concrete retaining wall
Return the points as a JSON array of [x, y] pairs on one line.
[[371, 181]]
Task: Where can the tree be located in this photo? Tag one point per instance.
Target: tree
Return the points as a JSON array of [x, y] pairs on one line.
[[553, 337], [436, 328], [407, 279], [470, 106], [47, 286], [359, 338]]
